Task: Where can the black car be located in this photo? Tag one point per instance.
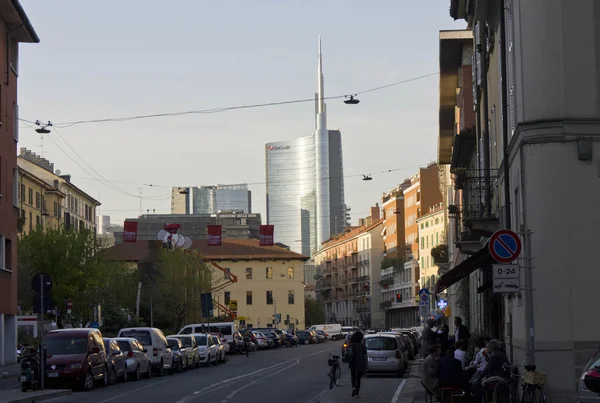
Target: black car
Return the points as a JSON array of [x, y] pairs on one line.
[[273, 337], [116, 360]]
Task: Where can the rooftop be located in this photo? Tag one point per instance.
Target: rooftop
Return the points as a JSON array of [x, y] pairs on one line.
[[230, 249]]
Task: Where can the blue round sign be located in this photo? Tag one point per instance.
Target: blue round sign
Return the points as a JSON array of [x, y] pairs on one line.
[[505, 246]]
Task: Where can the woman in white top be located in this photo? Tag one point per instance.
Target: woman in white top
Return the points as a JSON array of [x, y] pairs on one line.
[[460, 354], [480, 361]]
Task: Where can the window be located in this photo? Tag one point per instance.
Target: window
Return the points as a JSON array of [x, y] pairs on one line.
[[422, 226], [22, 192], [269, 273], [427, 224], [269, 297], [422, 262], [422, 243], [437, 238], [226, 274], [290, 272], [55, 209], [37, 220], [227, 297], [37, 200], [437, 221], [30, 196], [248, 273], [248, 297], [291, 297], [3, 260], [30, 219]]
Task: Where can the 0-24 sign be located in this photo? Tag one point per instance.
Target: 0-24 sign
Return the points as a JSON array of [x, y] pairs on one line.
[[506, 271]]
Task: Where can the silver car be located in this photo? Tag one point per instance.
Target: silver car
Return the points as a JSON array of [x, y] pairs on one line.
[[385, 353], [137, 360], [583, 393]]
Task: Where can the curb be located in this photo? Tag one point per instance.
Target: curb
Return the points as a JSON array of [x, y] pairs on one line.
[[41, 398]]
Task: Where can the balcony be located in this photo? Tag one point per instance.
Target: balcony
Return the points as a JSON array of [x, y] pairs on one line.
[[364, 279], [352, 279], [385, 304]]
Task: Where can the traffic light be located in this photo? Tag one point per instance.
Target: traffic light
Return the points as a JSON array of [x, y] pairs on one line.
[[398, 297]]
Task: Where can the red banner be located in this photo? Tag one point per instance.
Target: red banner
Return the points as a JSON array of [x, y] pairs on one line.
[[214, 235], [266, 235], [130, 231]]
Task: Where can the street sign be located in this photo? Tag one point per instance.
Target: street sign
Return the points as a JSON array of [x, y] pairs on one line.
[[37, 303], [69, 306], [442, 304], [233, 304], [206, 303], [507, 285], [424, 296], [504, 246], [423, 291], [423, 311], [502, 271], [277, 318], [95, 325], [41, 283]]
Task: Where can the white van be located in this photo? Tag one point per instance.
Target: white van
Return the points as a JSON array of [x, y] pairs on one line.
[[334, 330], [154, 340], [227, 329]]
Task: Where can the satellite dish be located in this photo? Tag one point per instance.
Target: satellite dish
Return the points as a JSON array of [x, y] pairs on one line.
[[162, 235], [180, 241], [188, 243], [58, 172]]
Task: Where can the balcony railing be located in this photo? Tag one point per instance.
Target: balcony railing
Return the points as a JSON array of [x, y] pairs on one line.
[[385, 304], [364, 279], [479, 194]]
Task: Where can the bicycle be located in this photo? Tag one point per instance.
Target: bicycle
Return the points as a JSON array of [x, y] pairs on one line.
[[532, 386], [335, 373]]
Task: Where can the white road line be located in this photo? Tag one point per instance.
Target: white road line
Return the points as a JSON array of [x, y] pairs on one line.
[[314, 399], [398, 391], [132, 391], [232, 394], [318, 352]]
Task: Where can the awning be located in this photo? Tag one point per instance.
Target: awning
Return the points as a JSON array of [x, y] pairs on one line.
[[481, 258]]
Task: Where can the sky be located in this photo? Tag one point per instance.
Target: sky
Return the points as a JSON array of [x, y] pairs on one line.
[[116, 58]]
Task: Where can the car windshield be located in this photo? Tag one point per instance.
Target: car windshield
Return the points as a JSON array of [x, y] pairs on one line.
[[123, 345], [66, 345], [143, 336], [201, 340], [186, 341], [173, 344], [381, 343], [302, 333], [594, 363]]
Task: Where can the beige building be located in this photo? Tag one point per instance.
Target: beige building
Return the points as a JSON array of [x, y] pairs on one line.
[[77, 209], [431, 234], [270, 279]]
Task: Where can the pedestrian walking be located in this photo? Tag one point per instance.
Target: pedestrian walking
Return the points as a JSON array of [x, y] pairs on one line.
[[357, 360]]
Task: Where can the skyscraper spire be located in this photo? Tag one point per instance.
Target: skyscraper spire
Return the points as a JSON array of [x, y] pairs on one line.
[[320, 82], [322, 159]]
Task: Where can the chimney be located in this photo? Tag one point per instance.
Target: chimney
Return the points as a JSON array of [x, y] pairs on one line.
[[361, 222], [375, 214]]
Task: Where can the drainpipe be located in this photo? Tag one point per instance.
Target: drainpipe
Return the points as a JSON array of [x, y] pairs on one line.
[[505, 156]]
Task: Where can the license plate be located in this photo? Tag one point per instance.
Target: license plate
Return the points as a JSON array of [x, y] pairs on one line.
[[52, 374], [23, 379], [379, 359]]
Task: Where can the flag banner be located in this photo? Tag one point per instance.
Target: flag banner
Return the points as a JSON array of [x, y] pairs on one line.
[[266, 235], [214, 235], [130, 231]]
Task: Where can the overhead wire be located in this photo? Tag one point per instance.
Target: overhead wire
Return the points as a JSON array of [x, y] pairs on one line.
[[63, 125]]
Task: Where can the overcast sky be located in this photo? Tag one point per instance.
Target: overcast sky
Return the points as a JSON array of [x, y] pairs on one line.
[[124, 58]]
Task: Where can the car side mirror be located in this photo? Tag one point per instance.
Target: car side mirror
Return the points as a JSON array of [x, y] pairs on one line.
[[145, 350], [95, 350]]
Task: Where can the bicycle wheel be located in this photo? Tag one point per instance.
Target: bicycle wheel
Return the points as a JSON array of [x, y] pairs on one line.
[[338, 374], [533, 394]]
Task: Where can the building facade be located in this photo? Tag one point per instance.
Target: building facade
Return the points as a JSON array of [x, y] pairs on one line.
[[234, 225], [40, 204], [77, 209], [270, 279], [348, 273], [394, 236], [432, 234], [211, 199], [305, 183], [15, 29], [538, 119]]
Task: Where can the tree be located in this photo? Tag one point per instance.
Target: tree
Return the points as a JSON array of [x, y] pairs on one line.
[[80, 272], [439, 254], [395, 262], [172, 286], [313, 312]]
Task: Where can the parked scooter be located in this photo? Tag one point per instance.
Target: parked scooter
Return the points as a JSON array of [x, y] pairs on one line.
[[30, 373]]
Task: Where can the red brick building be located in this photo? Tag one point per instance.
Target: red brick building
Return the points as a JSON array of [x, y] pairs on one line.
[[15, 28]]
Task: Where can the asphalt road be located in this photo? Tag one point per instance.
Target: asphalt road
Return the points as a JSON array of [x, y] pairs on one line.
[[291, 375]]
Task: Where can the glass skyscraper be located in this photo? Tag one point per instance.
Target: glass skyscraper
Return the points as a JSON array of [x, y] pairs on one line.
[[211, 199], [305, 183]]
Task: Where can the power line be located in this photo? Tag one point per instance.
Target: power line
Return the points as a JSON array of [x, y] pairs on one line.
[[228, 108]]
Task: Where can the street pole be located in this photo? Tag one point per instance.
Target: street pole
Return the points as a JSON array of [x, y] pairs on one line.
[[151, 315], [529, 292], [42, 349], [274, 313]]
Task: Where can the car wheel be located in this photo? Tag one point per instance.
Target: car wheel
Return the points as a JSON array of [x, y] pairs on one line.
[[112, 376], [88, 381], [161, 369]]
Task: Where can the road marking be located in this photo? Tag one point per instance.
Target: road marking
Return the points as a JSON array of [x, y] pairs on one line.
[[132, 391], [398, 391], [318, 352], [314, 399], [232, 394]]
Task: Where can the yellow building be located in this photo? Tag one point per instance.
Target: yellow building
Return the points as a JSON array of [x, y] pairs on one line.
[[270, 279], [431, 234], [39, 203], [40, 187]]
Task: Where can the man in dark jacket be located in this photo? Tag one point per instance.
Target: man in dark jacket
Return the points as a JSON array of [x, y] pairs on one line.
[[450, 372], [460, 331], [357, 360]]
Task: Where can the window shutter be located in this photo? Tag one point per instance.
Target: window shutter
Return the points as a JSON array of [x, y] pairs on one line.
[[511, 68]]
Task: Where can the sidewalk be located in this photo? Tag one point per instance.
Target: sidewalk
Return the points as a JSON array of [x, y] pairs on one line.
[[9, 376], [380, 389], [16, 396]]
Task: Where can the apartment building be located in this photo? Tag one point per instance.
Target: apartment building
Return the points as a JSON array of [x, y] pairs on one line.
[[15, 28], [77, 209], [394, 238], [538, 119], [270, 279], [40, 204], [348, 273], [432, 234]]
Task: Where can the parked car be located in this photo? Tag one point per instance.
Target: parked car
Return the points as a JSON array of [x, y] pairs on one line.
[[155, 342], [274, 338], [137, 360], [385, 353], [224, 341], [321, 335], [180, 355], [191, 347], [590, 378], [76, 356], [333, 330], [221, 355], [206, 349], [305, 337], [116, 360]]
